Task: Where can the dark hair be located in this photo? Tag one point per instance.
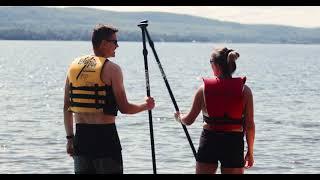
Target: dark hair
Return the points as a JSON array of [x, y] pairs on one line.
[[225, 58], [102, 32]]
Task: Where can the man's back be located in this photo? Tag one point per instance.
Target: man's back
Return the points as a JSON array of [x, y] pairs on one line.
[[96, 146]]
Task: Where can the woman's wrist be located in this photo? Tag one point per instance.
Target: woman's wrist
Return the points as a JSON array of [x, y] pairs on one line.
[[249, 152]]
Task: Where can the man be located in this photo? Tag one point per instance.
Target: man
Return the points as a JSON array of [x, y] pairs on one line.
[[94, 92]]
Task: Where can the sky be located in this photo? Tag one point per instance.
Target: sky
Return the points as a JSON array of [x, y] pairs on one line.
[[299, 16]]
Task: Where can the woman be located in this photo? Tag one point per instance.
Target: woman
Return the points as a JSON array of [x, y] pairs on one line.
[[227, 107]]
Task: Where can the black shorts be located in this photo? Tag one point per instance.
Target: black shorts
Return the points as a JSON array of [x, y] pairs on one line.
[[225, 147], [104, 165], [96, 140], [97, 149]]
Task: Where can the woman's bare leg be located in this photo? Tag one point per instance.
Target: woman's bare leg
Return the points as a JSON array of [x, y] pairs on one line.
[[232, 170], [206, 168]]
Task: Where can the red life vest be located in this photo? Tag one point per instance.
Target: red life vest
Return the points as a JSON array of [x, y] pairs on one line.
[[224, 102]]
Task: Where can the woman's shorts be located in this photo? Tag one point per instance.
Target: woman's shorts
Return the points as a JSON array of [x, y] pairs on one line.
[[225, 147]]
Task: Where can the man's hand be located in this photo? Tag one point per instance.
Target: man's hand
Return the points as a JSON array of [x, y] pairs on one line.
[[70, 147]]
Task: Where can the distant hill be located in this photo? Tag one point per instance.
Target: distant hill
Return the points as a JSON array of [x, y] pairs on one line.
[[41, 23]]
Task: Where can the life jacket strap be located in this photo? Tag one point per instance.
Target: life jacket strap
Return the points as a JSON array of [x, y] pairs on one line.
[[94, 96], [88, 88], [87, 96], [223, 120], [87, 105]]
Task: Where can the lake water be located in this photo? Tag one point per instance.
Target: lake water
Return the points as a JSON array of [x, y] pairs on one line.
[[284, 80]]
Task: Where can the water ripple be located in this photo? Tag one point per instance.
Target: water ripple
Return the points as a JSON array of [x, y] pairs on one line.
[[286, 98]]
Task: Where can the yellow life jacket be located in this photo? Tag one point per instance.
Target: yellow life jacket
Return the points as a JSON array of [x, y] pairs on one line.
[[88, 93]]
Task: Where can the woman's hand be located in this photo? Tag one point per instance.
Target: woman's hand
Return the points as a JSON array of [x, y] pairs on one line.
[[177, 116], [248, 160]]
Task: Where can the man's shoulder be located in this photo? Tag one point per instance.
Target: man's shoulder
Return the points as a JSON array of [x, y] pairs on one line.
[[112, 66], [110, 71]]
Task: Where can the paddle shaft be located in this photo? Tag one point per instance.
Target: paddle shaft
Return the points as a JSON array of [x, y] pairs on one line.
[[145, 53]]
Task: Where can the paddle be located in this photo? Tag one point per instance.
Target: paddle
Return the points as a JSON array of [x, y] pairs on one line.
[[143, 25], [145, 53]]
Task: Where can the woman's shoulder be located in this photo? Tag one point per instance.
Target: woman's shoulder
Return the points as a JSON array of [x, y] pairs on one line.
[[247, 91]]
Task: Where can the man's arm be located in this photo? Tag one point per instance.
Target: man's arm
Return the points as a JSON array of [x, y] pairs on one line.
[[68, 119], [126, 107]]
